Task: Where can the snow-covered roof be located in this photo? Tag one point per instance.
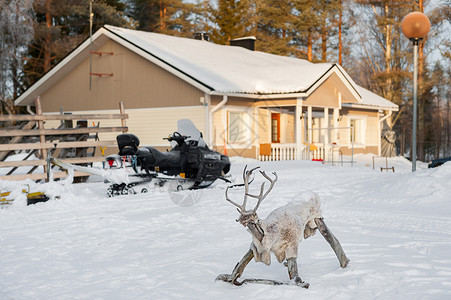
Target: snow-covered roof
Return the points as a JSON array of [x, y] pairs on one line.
[[215, 69], [370, 99], [228, 69]]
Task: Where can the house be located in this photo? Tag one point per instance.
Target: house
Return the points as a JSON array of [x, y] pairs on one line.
[[246, 103]]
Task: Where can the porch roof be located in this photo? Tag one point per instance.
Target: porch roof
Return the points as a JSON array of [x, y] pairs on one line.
[[372, 101]]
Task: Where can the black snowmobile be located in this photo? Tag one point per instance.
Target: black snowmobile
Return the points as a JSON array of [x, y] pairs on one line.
[[190, 164]]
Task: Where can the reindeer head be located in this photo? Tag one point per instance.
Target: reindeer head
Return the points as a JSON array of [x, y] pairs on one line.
[[250, 216]]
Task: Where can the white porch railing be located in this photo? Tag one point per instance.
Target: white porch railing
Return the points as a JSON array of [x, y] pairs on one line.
[[280, 152], [288, 152]]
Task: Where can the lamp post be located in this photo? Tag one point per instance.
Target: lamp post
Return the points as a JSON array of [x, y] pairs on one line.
[[415, 27]]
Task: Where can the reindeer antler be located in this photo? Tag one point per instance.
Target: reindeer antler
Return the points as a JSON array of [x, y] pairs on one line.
[[262, 196], [246, 175]]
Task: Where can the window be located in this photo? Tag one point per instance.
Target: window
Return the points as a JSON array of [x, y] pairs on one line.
[[275, 128], [357, 134], [238, 128]]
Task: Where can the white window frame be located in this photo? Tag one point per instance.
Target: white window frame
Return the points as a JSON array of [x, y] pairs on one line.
[[361, 133], [246, 140]]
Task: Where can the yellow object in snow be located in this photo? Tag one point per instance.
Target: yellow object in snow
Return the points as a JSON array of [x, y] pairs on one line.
[[32, 198], [312, 147]]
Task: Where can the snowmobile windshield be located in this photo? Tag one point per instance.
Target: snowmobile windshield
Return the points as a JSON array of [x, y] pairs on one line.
[[187, 127]]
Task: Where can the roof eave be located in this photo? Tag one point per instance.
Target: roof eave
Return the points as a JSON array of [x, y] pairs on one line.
[[260, 96], [367, 106]]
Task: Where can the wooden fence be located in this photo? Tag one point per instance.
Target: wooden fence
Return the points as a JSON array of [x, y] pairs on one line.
[[70, 144]]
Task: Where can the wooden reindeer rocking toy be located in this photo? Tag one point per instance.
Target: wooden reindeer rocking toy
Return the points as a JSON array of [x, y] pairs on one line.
[[280, 233]]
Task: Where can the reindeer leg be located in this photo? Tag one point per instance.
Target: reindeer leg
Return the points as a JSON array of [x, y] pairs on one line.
[[332, 240], [238, 270], [294, 274]]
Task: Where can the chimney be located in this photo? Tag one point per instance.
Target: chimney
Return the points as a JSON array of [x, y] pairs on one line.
[[202, 36], [245, 42]]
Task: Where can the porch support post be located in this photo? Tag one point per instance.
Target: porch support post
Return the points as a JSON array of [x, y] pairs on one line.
[[208, 122], [212, 111], [326, 133], [335, 131], [299, 128], [326, 125], [309, 129], [309, 125]]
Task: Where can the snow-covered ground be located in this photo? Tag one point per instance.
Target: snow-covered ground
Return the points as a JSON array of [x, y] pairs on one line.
[[395, 228]]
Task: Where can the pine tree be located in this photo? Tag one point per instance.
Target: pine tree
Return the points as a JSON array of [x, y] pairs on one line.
[[344, 23], [229, 19], [173, 17], [274, 26], [317, 21], [60, 26]]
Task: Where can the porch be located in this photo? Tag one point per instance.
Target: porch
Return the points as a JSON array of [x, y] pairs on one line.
[[316, 152], [305, 132]]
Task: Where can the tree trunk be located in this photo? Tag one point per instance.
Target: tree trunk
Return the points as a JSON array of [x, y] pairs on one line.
[[163, 10], [448, 131], [421, 89], [324, 41], [47, 41], [309, 46], [402, 149], [388, 90]]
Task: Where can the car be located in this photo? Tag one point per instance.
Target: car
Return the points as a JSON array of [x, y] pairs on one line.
[[438, 162]]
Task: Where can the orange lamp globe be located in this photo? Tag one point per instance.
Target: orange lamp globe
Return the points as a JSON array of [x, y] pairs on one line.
[[415, 25]]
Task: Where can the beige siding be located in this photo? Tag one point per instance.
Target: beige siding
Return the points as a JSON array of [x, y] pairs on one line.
[[275, 102], [248, 152], [233, 101], [264, 126], [370, 149], [287, 126], [327, 94], [363, 112], [135, 81], [220, 138], [343, 134], [218, 125], [150, 125], [289, 130], [372, 132], [372, 138]]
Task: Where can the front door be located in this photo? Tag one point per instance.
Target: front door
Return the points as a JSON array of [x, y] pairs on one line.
[[275, 128]]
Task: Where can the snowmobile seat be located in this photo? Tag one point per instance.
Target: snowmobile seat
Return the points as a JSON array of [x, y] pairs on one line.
[[171, 158], [128, 144], [143, 151]]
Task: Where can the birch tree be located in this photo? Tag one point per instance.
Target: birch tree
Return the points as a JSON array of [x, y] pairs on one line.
[[383, 53]]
